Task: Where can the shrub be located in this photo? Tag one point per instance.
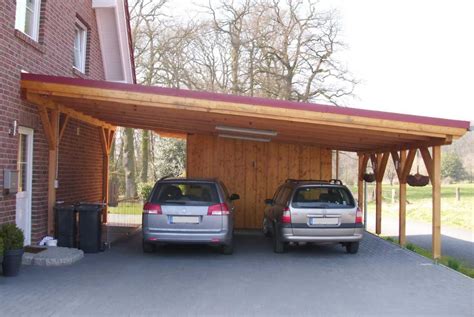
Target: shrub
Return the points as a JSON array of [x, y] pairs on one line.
[[454, 264], [1, 246], [452, 167], [12, 237], [390, 239], [144, 190], [410, 246]]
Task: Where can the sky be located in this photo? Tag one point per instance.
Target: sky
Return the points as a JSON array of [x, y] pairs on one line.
[[411, 56]]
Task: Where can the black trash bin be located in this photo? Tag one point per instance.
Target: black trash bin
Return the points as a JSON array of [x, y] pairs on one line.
[[66, 225], [90, 227]]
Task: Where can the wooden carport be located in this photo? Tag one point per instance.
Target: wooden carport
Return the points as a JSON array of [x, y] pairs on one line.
[[207, 119]]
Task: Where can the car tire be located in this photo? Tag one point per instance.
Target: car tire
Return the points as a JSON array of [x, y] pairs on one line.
[[148, 247], [265, 229], [228, 249], [278, 245], [352, 247]]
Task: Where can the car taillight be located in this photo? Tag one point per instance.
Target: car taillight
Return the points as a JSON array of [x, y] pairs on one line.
[[218, 210], [153, 209], [286, 216], [359, 215]]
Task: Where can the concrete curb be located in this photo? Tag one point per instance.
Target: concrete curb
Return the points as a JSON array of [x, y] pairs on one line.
[[53, 256]]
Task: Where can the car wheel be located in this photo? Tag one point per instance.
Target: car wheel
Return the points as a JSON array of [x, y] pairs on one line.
[[278, 245], [265, 230], [148, 247], [352, 247], [228, 249]]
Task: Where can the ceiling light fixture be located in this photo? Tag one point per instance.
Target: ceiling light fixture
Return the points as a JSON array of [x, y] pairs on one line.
[[240, 137], [246, 130]]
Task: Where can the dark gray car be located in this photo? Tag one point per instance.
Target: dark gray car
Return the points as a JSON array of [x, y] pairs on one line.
[[303, 211], [189, 211]]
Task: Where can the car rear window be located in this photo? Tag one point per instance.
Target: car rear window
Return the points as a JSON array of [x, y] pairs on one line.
[[322, 197], [182, 193]]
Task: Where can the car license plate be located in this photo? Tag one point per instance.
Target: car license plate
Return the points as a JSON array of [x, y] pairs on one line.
[[184, 219], [324, 221]]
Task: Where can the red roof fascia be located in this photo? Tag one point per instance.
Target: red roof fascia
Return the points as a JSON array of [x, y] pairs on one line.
[[275, 103]]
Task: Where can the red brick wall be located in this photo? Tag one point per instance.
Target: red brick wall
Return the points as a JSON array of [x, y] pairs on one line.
[[52, 55], [80, 164]]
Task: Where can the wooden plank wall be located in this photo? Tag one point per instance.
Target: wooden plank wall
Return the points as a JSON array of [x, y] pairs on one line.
[[254, 169]]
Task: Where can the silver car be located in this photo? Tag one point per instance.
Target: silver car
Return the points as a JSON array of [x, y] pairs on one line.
[[189, 211], [306, 211]]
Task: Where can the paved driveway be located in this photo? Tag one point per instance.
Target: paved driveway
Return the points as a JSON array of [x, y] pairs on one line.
[[380, 280]]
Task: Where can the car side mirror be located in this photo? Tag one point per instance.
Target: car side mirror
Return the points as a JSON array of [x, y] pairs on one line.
[[269, 201], [234, 197]]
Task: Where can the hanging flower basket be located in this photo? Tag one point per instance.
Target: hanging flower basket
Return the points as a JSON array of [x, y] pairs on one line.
[[369, 177], [418, 180]]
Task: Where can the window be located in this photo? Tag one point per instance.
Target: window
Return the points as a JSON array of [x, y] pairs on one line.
[[323, 197], [186, 193], [282, 197], [27, 17], [22, 163], [80, 43]]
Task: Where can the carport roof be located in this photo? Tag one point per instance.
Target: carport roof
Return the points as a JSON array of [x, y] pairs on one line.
[[179, 111]]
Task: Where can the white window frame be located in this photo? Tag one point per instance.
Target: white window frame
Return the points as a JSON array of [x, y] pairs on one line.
[[20, 18], [78, 25]]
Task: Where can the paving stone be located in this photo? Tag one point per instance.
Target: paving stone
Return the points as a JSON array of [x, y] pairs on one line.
[[381, 280]]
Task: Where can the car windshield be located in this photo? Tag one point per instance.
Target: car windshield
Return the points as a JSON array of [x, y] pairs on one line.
[[186, 193], [322, 197]]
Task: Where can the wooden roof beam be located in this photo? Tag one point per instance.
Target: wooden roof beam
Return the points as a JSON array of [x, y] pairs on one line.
[[46, 103], [408, 164], [425, 154], [230, 108]]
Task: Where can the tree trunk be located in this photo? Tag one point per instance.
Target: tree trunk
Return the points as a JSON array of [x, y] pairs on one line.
[[235, 68], [129, 165], [145, 155]]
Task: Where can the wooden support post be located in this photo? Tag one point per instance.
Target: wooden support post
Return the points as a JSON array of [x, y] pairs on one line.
[[105, 190], [106, 137], [402, 238], [436, 178], [378, 207], [51, 127], [337, 164], [380, 167], [360, 182]]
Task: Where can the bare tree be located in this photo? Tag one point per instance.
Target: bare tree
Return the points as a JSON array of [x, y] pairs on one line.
[[129, 164], [228, 18], [301, 45]]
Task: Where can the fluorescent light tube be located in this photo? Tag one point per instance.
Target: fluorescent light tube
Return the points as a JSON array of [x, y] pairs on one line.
[[245, 130], [240, 137]]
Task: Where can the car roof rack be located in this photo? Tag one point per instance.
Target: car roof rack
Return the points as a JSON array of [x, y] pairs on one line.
[[331, 181]]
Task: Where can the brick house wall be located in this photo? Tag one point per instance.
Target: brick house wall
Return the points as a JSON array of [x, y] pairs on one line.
[[80, 164], [52, 55]]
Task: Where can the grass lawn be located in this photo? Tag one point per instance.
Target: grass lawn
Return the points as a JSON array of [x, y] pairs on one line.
[[454, 213], [448, 261], [127, 208]]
